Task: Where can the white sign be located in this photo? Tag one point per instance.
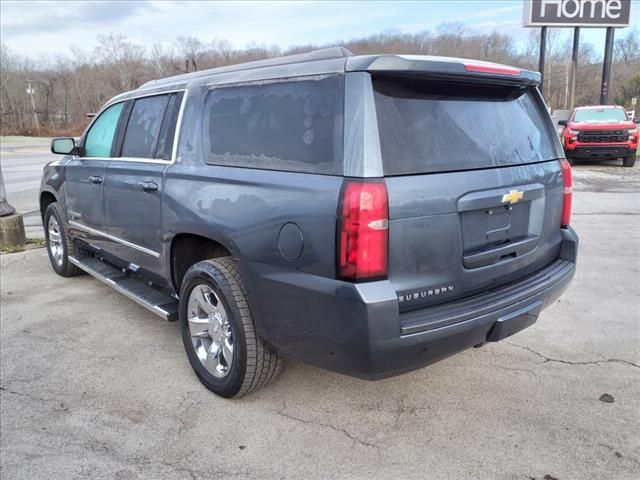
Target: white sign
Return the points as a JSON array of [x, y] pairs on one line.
[[577, 13]]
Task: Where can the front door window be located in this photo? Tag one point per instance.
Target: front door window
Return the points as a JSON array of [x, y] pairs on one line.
[[100, 136]]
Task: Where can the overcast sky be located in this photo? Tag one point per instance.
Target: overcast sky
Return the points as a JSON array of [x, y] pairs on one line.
[[51, 27]]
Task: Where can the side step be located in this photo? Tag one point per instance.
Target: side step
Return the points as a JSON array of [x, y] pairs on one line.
[[157, 302]]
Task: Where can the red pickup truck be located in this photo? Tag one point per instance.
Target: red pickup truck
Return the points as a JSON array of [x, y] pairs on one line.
[[600, 132]]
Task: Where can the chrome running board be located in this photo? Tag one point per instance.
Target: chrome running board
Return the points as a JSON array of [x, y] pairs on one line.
[[153, 300]]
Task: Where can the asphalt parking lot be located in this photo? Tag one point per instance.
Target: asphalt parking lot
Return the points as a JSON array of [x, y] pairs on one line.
[[94, 386], [22, 161]]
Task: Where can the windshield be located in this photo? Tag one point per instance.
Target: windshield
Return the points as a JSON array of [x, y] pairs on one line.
[[428, 126], [600, 115]]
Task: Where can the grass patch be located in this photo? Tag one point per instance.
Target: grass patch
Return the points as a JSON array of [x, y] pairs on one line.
[[30, 245]]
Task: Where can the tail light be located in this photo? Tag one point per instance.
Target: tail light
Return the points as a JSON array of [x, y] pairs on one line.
[[363, 230], [567, 193]]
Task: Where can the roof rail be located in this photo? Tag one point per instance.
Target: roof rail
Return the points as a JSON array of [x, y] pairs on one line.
[[312, 56], [320, 54]]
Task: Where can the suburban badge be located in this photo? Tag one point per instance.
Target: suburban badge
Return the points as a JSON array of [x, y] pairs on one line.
[[431, 292]]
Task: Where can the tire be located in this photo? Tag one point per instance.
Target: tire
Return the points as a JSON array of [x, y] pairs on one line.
[[629, 160], [59, 248], [570, 160], [214, 316]]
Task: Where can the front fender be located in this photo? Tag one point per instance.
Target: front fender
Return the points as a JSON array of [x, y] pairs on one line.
[[53, 177]]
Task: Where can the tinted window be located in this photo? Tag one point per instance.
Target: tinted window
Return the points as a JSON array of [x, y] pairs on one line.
[[294, 125], [168, 129], [435, 127], [143, 127], [600, 115], [100, 137]]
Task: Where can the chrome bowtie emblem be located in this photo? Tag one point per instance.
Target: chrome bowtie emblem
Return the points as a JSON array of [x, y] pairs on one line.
[[514, 196]]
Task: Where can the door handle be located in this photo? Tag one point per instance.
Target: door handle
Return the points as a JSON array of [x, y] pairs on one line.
[[149, 186], [95, 179]]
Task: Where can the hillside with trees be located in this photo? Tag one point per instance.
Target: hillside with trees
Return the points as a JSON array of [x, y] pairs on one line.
[[51, 96]]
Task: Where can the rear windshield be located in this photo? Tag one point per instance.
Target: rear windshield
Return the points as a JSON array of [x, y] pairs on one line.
[[600, 115], [428, 126]]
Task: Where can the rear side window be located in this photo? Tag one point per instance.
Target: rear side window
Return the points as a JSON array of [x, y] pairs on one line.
[[293, 125], [428, 126], [143, 127], [168, 129], [100, 137]]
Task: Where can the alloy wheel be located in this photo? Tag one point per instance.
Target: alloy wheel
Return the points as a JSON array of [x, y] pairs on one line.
[[210, 331], [55, 240]]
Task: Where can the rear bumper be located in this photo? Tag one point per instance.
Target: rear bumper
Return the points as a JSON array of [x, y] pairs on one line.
[[601, 151], [356, 329]]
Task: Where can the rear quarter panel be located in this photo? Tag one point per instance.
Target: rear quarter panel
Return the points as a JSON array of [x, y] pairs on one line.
[[245, 209]]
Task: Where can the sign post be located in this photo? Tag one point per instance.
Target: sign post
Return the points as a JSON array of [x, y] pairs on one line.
[[574, 67], [606, 67], [579, 13], [541, 57]]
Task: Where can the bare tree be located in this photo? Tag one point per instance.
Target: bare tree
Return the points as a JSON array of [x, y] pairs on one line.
[[190, 48], [121, 62], [627, 49]]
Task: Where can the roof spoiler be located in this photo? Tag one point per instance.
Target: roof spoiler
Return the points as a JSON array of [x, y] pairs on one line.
[[442, 66]]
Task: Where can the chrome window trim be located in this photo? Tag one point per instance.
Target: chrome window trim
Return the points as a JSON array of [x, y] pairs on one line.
[[117, 99], [84, 228], [140, 160], [176, 134]]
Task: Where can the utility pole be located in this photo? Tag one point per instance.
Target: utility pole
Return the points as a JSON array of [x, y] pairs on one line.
[[31, 92], [566, 86]]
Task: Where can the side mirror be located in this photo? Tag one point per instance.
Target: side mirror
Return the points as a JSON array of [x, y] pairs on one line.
[[636, 119], [63, 146], [562, 123]]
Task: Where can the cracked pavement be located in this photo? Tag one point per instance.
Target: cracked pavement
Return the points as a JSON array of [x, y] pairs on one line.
[[94, 386]]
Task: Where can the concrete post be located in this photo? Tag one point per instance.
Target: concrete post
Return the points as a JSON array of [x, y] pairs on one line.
[[11, 224]]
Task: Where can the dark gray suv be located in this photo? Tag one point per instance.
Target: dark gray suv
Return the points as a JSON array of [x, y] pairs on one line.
[[366, 214]]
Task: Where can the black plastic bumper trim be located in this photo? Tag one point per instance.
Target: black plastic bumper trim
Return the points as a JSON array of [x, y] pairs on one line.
[[439, 316]]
